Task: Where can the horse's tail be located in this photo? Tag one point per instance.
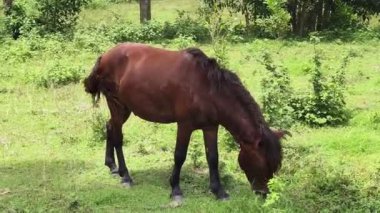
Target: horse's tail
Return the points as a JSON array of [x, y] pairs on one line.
[[92, 83]]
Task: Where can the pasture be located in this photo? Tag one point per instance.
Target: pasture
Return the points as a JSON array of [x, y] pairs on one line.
[[52, 152]]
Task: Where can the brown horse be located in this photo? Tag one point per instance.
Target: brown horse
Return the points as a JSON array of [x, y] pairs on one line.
[[191, 89]]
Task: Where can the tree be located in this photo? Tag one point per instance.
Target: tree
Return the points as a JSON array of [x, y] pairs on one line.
[[145, 11], [59, 15], [316, 15], [251, 9], [364, 8]]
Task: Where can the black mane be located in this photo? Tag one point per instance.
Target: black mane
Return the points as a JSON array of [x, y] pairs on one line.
[[222, 79]]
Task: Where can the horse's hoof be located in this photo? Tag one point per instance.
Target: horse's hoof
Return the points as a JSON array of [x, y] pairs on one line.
[[223, 197], [126, 184], [177, 200], [114, 171]]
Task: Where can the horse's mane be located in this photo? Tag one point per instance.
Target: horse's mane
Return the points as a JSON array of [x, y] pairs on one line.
[[222, 79]]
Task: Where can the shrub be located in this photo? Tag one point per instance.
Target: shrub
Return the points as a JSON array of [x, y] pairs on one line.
[[17, 22], [326, 105], [227, 140], [183, 42], [195, 153], [277, 24], [93, 40], [59, 75], [276, 94], [186, 26], [220, 50], [127, 32], [98, 128], [59, 15]]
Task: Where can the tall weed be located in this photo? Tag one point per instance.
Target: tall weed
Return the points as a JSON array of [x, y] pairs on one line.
[[276, 94]]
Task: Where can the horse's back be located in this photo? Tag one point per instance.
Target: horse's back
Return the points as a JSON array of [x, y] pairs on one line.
[[156, 84]]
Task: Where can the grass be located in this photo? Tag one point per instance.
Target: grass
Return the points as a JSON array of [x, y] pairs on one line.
[[49, 160]]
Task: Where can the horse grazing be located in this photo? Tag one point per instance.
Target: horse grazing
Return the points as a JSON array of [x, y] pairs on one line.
[[191, 89]]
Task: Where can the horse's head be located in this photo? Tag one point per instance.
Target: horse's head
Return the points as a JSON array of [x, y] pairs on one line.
[[261, 158]]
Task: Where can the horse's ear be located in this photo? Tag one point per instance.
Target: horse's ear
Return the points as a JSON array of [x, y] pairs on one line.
[[282, 133]]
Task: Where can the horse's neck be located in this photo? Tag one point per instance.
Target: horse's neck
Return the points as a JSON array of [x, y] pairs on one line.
[[237, 121]]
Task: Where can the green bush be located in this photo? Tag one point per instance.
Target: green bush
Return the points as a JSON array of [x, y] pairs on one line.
[[227, 140], [17, 22], [59, 15], [127, 32], [183, 42], [98, 128], [195, 153], [182, 27], [326, 105], [94, 40], [277, 24], [189, 27], [276, 94], [46, 16], [59, 75]]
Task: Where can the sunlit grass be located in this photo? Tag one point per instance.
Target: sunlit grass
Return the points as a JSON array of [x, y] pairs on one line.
[[49, 163]]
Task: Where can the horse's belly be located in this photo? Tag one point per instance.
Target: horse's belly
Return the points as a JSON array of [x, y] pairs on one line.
[[158, 116], [151, 108]]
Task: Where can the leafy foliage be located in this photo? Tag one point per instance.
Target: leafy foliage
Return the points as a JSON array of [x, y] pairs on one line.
[[58, 74], [48, 16], [183, 26], [277, 24], [195, 153], [364, 8], [17, 21], [276, 94], [190, 27], [326, 106], [59, 15], [251, 9], [98, 128]]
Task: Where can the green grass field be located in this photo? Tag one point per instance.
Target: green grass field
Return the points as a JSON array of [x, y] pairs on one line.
[[50, 161]]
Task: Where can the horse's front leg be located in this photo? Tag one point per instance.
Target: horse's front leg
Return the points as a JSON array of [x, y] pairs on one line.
[[183, 138], [210, 136]]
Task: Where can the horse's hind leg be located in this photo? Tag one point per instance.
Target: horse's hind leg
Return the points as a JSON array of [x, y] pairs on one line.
[[110, 152], [119, 114]]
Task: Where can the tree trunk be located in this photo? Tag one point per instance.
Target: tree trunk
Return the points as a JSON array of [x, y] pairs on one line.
[[327, 10], [246, 14], [292, 9], [319, 19], [145, 14]]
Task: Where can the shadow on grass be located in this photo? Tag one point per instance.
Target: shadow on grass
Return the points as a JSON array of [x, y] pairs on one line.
[[85, 186]]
